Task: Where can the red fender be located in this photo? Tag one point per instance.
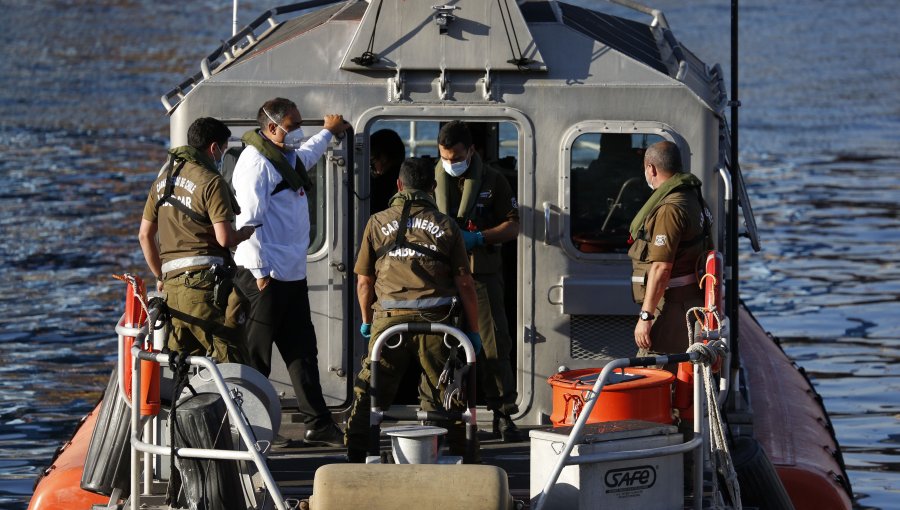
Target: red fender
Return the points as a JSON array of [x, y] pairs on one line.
[[135, 317], [712, 284]]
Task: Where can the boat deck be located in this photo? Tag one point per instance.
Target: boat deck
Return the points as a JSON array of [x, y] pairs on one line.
[[294, 467]]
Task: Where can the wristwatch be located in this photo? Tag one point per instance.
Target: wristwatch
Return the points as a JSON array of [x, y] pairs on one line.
[[646, 316]]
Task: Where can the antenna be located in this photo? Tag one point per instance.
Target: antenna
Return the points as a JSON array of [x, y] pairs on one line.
[[234, 22]]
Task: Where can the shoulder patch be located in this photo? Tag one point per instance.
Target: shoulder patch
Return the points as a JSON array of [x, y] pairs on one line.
[[660, 240]]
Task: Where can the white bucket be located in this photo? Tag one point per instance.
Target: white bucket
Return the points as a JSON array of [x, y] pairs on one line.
[[415, 444]]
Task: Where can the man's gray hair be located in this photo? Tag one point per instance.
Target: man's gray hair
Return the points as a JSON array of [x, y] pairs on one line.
[[665, 156], [273, 110]]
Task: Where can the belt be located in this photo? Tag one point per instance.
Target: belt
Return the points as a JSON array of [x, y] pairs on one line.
[[682, 281], [414, 311], [417, 304], [175, 265]]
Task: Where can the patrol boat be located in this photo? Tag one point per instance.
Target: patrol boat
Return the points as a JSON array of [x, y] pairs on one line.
[[564, 100]]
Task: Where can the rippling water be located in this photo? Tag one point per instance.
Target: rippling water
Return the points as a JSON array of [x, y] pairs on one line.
[[82, 131]]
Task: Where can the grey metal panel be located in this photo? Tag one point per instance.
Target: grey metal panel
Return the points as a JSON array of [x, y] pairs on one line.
[[407, 37], [629, 37], [595, 296], [291, 29]]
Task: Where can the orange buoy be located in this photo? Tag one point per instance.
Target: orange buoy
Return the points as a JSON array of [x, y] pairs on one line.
[[648, 397], [712, 290], [135, 317]]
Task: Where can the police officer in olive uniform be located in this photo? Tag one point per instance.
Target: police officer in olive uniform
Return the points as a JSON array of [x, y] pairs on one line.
[[480, 199], [192, 209], [671, 233], [412, 267]]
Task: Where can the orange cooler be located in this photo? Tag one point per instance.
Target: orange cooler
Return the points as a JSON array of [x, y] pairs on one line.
[[647, 398]]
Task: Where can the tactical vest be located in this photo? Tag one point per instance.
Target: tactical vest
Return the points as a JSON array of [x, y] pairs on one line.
[[691, 249]]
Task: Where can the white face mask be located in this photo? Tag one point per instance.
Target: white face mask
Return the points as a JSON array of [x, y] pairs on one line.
[[291, 138], [650, 184], [455, 169]]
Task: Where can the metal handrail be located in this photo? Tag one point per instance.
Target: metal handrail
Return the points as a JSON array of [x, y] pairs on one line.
[[230, 48], [565, 457], [377, 413], [138, 445]]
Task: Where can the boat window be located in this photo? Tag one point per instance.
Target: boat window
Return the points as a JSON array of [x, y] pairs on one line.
[[608, 188], [316, 200]]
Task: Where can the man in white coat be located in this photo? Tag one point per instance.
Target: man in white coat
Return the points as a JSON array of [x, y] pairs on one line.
[[271, 185]]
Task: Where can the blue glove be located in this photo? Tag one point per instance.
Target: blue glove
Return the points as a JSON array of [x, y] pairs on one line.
[[472, 239], [475, 338], [365, 330]]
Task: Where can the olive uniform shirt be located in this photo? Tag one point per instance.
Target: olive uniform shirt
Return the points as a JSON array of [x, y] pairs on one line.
[[669, 232], [207, 194], [404, 274]]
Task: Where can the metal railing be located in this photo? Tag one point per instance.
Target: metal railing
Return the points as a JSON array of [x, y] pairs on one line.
[[138, 445], [693, 445], [236, 45]]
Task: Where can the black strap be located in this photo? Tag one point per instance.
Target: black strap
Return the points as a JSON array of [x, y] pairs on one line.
[[171, 175], [283, 185], [401, 242]]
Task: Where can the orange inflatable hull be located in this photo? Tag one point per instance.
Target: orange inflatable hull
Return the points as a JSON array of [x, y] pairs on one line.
[[59, 488], [790, 424]]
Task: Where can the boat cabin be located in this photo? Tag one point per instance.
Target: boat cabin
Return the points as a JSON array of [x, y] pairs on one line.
[[563, 99]]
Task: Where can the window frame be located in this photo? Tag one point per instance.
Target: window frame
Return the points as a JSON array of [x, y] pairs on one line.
[[565, 173]]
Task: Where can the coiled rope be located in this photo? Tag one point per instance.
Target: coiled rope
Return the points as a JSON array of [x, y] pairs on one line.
[[720, 457]]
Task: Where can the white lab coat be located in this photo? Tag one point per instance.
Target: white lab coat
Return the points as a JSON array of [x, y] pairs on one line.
[[277, 248]]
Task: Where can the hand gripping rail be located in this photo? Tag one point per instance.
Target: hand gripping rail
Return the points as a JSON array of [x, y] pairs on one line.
[[377, 414], [234, 415], [575, 436]]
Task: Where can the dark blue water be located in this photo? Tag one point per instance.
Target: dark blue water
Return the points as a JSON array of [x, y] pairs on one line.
[[82, 131]]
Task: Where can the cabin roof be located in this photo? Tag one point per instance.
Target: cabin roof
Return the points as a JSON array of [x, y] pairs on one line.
[[565, 43], [631, 38]]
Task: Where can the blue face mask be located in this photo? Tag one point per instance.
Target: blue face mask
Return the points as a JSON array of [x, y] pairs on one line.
[[220, 160]]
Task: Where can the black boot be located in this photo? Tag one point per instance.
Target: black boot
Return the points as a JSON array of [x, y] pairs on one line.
[[505, 429], [356, 456]]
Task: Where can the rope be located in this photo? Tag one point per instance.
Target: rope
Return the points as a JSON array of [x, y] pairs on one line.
[[369, 57], [720, 457], [519, 60]]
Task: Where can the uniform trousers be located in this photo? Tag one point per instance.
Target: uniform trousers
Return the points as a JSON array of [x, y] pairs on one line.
[[495, 375], [280, 315], [669, 334], [198, 322], [430, 352]]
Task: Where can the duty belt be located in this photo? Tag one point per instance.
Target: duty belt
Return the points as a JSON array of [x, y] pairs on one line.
[[417, 304], [682, 281], [174, 265]]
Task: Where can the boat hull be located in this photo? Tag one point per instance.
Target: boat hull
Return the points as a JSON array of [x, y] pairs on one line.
[[60, 486], [790, 423]]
